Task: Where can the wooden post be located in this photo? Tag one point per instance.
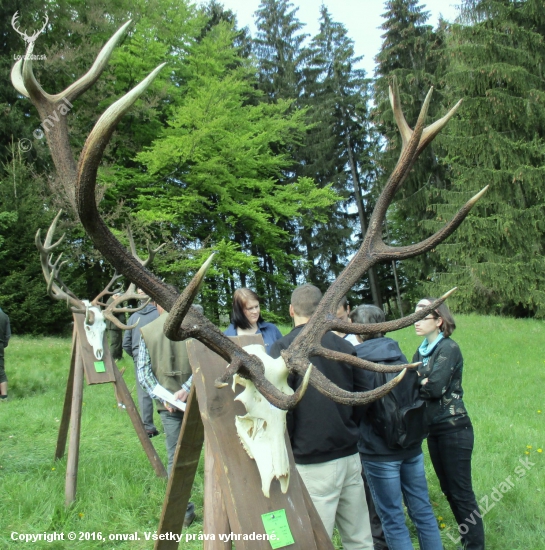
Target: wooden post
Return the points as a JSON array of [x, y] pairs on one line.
[[65, 418], [75, 425], [127, 400], [215, 513], [184, 468]]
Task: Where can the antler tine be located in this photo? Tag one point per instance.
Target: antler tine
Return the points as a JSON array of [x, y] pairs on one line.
[[106, 290], [111, 309], [47, 247], [151, 251], [92, 75], [388, 326], [33, 89], [327, 388], [183, 303], [360, 363], [399, 252], [17, 78]]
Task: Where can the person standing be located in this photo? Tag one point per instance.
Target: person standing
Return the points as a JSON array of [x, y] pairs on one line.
[[115, 334], [324, 434], [131, 344], [393, 473], [343, 314], [246, 318], [451, 437], [5, 335], [165, 362]]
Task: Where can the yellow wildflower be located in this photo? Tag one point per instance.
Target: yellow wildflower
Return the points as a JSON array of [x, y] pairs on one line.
[[540, 450]]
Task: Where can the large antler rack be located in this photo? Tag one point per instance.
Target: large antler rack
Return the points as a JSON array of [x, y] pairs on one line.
[[56, 288], [184, 320]]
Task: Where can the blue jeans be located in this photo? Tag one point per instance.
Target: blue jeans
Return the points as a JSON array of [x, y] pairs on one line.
[[389, 482]]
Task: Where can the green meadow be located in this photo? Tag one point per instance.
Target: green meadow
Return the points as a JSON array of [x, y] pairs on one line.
[[118, 492]]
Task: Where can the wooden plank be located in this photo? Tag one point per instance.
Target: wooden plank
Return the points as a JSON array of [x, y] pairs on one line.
[[215, 514], [126, 398], [240, 481], [184, 468], [88, 356], [65, 418], [75, 429]]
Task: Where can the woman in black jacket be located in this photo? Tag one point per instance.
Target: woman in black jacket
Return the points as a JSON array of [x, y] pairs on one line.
[[450, 439]]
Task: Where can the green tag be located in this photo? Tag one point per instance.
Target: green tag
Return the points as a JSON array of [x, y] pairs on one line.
[[276, 526], [99, 366]]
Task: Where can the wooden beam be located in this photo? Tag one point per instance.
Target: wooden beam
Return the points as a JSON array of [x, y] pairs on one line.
[[184, 468], [215, 514], [65, 418], [75, 430], [139, 428]]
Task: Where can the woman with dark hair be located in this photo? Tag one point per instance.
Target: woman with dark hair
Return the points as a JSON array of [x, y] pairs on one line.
[[246, 318], [450, 439]]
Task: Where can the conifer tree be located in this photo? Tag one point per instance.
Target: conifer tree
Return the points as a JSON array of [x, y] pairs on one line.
[[337, 146], [496, 60], [412, 53]]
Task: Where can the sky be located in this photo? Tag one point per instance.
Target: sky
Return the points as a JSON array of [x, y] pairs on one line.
[[362, 19]]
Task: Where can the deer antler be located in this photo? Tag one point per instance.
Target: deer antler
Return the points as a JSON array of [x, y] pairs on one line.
[[56, 288], [186, 321], [112, 309], [151, 251], [47, 105]]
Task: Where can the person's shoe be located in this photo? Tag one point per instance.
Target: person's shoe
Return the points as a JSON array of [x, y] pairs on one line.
[[189, 514], [153, 433]]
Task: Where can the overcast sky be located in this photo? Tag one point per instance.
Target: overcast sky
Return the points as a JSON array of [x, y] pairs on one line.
[[362, 18]]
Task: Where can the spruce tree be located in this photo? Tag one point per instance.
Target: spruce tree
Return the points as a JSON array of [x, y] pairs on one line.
[[336, 150], [412, 53], [496, 60]]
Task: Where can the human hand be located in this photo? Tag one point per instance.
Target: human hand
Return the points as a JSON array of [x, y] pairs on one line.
[[182, 395], [424, 382]]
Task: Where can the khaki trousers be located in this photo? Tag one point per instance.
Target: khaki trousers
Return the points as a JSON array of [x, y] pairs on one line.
[[336, 489]]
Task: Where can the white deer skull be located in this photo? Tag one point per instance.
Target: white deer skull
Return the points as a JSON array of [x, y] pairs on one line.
[[95, 325], [262, 430]]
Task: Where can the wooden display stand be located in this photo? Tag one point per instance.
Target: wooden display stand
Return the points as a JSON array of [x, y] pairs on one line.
[[233, 502], [83, 360]]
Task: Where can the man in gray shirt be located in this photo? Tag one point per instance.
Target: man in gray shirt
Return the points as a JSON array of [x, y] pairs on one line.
[[131, 344]]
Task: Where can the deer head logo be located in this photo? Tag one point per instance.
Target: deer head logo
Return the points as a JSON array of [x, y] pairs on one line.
[[28, 39]]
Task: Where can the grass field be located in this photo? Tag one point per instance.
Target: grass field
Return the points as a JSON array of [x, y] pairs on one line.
[[504, 382]]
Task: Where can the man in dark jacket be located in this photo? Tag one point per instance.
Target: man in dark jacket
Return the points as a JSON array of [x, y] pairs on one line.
[[324, 434], [5, 334], [392, 473], [131, 344]]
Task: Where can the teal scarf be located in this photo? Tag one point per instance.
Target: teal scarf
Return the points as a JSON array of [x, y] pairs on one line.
[[426, 349]]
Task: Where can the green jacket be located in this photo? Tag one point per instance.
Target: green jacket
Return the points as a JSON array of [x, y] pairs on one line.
[[169, 360]]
